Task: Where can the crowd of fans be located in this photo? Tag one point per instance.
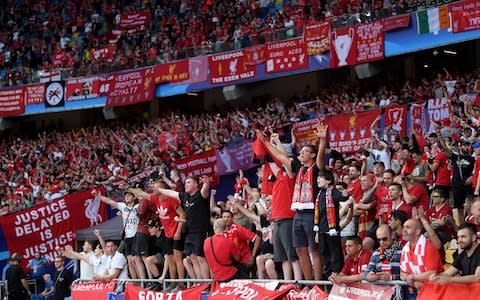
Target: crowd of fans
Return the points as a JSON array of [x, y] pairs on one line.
[[83, 37]]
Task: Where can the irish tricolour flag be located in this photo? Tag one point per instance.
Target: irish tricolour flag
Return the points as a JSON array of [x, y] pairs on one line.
[[433, 20]]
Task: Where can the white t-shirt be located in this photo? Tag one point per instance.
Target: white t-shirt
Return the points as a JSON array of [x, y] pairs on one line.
[[130, 219], [382, 155], [86, 269], [99, 264], [118, 261]]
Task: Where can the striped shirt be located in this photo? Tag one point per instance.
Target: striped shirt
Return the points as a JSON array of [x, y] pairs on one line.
[[390, 266]]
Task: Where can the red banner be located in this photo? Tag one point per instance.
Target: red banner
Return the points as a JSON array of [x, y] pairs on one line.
[[348, 133], [136, 20], [449, 291], [133, 292], [82, 88], [105, 53], [171, 72], [370, 42], [417, 119], [44, 227], [255, 55], [238, 289], [363, 291], [233, 158], [304, 132], [131, 87], [92, 290], [286, 55], [396, 22], [34, 94], [167, 140], [229, 67], [294, 293], [396, 117], [317, 38], [199, 165], [343, 51], [12, 101], [465, 15]]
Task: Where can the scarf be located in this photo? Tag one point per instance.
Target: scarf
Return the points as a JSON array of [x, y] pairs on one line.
[[414, 264], [330, 207], [303, 190]]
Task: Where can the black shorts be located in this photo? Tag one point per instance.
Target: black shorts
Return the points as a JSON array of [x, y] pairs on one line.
[[129, 244], [142, 245], [194, 243], [179, 245]]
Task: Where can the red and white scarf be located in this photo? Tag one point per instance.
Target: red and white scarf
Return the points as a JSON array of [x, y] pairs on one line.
[[330, 207], [303, 190]]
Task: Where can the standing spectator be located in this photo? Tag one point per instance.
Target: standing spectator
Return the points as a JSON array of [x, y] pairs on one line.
[[221, 254], [63, 279], [438, 164], [414, 194], [355, 264], [38, 266], [463, 164], [16, 283], [141, 249], [116, 264]]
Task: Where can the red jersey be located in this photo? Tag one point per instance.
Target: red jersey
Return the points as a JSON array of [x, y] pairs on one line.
[[437, 214], [403, 207], [355, 190], [356, 265], [384, 203], [221, 262], [408, 167], [282, 197], [241, 237], [419, 191], [443, 173], [146, 211], [167, 211]]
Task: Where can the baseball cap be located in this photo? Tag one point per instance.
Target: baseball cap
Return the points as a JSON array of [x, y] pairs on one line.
[[476, 145], [153, 223]]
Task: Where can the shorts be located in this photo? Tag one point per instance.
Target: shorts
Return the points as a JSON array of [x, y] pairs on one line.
[[179, 245], [267, 256], [460, 193], [302, 232], [194, 243], [142, 245], [282, 241], [129, 243], [160, 259]]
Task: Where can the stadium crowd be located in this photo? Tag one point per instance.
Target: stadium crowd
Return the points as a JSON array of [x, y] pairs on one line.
[[84, 37]]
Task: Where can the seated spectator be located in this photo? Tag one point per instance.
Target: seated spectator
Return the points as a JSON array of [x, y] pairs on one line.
[[355, 264], [48, 292], [157, 260], [439, 215]]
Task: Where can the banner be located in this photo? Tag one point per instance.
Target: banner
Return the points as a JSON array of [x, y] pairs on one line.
[[317, 38], [417, 119], [229, 67], [131, 87], [133, 292], [396, 22], [449, 291], [349, 133], [249, 290], [465, 15], [12, 101], [343, 51], [286, 55], [396, 117], [438, 110], [197, 69], [135, 20], [35, 93], [105, 53], [364, 291], [171, 72], [370, 42], [82, 88], [55, 94], [304, 132], [315, 293], [167, 140], [92, 290], [199, 165], [44, 227], [234, 157], [255, 55]]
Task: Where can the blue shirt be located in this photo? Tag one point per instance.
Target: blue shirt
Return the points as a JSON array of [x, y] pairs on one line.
[[389, 261], [38, 266]]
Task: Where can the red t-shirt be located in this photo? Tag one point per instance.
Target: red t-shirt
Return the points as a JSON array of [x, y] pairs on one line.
[[445, 210], [282, 197], [241, 237], [476, 169], [408, 167], [422, 260], [403, 207], [355, 190], [357, 265], [384, 203], [443, 172], [220, 263], [166, 210], [146, 211], [419, 191]]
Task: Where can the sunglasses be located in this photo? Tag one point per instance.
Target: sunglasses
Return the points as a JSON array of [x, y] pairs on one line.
[[384, 239]]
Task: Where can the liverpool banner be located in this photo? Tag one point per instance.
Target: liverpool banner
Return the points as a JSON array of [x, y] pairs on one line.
[[304, 132], [229, 67], [286, 55], [44, 227], [417, 119], [133, 292], [82, 88], [130, 87], [361, 291], [438, 110], [12, 101], [255, 55], [171, 72], [465, 15], [199, 165], [92, 290], [317, 38], [396, 118], [135, 20], [348, 133], [370, 41], [230, 159], [343, 51], [34, 93]]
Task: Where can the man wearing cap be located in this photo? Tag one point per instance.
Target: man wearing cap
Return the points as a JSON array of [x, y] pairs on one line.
[[129, 211], [463, 164], [16, 283]]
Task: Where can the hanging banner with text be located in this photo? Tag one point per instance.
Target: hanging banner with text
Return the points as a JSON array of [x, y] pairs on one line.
[[243, 289], [12, 102], [171, 72], [286, 56], [418, 122], [34, 93], [396, 117], [133, 292], [396, 22], [92, 290], [317, 38], [135, 20], [304, 132], [229, 67], [361, 291], [465, 15], [42, 228], [348, 133], [438, 110], [199, 165], [370, 41], [230, 159], [82, 88], [127, 88]]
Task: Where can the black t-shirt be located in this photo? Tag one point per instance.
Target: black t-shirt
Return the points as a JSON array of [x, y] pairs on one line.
[[63, 280], [14, 276], [197, 209], [462, 168], [265, 246], [159, 244], [467, 265], [296, 165], [322, 206]]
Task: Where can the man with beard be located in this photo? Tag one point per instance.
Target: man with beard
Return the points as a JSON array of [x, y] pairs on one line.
[[463, 164], [355, 264], [466, 263]]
